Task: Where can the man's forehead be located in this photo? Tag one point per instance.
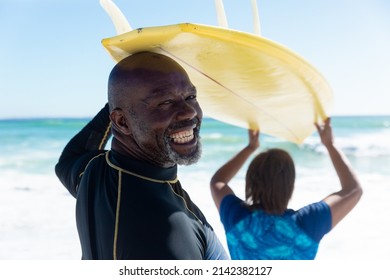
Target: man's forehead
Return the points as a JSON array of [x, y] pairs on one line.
[[168, 89], [148, 61]]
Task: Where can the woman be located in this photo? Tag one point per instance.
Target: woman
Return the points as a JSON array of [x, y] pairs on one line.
[[263, 227]]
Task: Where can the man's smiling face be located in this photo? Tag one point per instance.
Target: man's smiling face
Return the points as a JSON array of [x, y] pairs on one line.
[[162, 114]]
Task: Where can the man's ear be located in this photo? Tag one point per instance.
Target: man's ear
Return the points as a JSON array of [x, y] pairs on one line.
[[119, 121]]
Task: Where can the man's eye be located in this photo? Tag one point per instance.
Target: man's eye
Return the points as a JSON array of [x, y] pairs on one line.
[[191, 97], [166, 102]]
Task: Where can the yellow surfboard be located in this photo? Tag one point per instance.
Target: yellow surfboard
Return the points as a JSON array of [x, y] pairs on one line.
[[242, 79]]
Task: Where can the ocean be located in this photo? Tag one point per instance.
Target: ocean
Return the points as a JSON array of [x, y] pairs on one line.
[[37, 219]]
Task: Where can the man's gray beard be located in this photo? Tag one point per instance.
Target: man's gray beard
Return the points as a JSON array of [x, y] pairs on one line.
[[184, 159]]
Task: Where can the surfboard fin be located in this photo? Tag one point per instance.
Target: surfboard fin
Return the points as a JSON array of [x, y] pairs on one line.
[[221, 15], [118, 19], [222, 19], [256, 18]]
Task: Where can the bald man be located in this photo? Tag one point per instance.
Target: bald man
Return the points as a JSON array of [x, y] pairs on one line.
[[130, 203]]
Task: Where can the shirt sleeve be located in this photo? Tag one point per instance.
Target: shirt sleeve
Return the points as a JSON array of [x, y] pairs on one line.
[[232, 210], [315, 219], [86, 144], [215, 249]]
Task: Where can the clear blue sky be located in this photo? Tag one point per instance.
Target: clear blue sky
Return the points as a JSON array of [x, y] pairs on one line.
[[53, 64]]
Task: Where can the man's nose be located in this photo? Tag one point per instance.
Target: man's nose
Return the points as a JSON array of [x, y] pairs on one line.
[[186, 110]]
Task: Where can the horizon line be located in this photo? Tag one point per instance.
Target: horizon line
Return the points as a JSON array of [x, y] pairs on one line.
[[205, 117]]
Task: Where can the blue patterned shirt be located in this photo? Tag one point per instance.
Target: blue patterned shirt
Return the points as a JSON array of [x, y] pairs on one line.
[[257, 235]]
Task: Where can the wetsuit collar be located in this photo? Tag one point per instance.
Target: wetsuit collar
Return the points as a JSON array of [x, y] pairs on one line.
[[143, 168]]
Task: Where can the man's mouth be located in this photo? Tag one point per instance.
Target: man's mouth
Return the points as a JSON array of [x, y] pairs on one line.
[[183, 137], [183, 146]]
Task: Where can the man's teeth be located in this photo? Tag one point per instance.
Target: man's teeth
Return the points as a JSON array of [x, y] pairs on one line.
[[183, 136]]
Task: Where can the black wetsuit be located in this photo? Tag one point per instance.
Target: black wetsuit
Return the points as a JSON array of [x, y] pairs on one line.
[[127, 209]]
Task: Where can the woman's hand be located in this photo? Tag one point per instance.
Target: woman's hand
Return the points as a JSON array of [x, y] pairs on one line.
[[254, 142]]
